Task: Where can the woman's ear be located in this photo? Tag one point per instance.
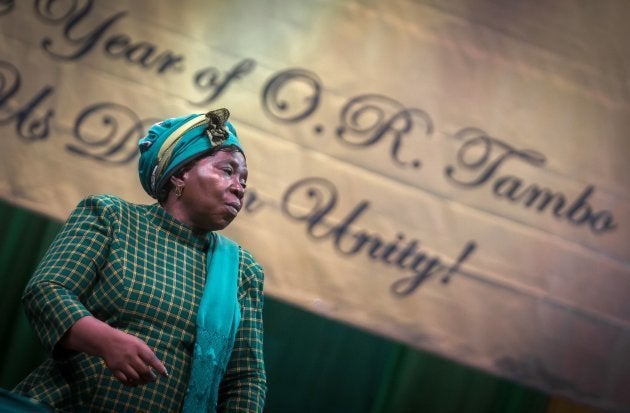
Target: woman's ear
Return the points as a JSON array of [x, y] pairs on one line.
[[178, 180]]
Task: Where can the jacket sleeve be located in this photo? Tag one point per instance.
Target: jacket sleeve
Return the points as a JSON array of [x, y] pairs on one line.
[[68, 271], [244, 385]]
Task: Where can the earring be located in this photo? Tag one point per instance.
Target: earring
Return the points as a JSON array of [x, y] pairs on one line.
[[179, 190]]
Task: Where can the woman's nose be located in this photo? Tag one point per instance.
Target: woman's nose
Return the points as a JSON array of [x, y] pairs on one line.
[[237, 188]]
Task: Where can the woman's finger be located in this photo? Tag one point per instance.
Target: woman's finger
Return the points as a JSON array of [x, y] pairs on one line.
[[121, 377], [151, 360], [147, 374], [144, 372], [132, 374]]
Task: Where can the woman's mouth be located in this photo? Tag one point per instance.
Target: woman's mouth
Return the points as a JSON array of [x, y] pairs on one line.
[[234, 207]]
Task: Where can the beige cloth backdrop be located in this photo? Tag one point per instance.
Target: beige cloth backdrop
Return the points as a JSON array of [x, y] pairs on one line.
[[451, 174]]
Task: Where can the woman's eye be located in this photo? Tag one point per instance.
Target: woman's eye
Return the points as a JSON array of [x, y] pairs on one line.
[[228, 170]]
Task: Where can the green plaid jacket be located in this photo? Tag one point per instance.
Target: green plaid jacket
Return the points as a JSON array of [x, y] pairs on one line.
[[139, 270]]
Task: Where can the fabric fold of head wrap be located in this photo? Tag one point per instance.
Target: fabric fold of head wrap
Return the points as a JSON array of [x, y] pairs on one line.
[[174, 142]]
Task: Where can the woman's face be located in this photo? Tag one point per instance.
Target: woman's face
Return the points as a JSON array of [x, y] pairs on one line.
[[213, 190]]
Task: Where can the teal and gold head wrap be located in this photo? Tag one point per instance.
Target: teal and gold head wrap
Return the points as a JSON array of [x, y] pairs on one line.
[[174, 142]]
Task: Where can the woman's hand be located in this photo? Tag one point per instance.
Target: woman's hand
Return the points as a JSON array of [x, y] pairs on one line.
[[129, 358]]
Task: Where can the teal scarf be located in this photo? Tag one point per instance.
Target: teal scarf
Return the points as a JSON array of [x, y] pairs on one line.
[[218, 319]]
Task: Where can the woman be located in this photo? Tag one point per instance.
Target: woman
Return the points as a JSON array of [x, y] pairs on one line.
[[145, 307]]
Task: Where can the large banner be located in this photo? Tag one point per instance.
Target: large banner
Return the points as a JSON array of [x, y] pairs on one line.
[[450, 174]]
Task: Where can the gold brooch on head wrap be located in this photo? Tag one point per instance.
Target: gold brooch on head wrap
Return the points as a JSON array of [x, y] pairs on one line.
[[216, 130]]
